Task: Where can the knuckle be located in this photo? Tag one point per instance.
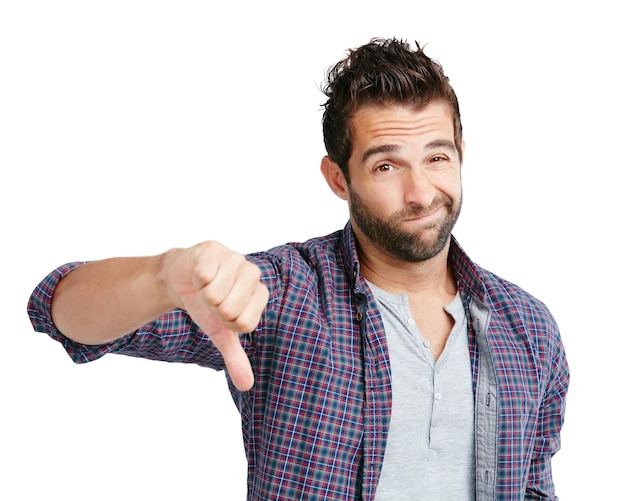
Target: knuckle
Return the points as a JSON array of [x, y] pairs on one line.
[[228, 312]]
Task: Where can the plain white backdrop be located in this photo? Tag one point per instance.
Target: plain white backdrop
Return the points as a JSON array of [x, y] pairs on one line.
[[129, 127]]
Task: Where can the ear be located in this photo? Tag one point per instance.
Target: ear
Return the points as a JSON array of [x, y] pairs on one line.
[[334, 177]]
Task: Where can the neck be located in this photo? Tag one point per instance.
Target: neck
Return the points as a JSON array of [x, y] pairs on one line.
[[397, 276]]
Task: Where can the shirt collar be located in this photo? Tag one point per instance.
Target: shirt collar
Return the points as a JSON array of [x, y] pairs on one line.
[[468, 274], [351, 258]]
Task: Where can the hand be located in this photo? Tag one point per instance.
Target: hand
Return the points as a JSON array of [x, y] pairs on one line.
[[222, 293]]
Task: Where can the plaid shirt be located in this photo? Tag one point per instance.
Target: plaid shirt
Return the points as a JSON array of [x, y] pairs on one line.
[[315, 422]]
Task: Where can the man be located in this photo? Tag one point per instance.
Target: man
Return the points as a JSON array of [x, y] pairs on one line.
[[375, 363]]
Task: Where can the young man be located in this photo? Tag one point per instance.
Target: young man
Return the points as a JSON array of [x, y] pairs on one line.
[[375, 363]]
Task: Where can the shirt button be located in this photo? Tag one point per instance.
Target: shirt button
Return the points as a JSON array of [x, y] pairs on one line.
[[426, 344], [411, 321], [437, 396]]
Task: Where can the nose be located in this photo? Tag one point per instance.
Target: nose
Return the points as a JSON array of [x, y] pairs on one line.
[[418, 188]]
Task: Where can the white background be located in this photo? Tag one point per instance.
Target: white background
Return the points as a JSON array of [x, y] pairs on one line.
[[129, 127]]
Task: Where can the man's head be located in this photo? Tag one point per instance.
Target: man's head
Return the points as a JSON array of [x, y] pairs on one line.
[[393, 136], [382, 72]]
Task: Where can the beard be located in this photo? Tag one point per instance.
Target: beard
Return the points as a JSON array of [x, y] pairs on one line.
[[411, 246]]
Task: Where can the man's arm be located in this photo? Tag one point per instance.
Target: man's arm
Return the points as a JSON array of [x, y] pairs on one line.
[[548, 435], [104, 300]]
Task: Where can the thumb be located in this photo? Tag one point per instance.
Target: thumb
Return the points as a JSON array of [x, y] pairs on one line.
[[235, 358]]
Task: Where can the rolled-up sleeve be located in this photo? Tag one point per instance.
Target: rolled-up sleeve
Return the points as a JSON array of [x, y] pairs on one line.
[[173, 337]]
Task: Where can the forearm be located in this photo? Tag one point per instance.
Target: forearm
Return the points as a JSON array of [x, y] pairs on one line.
[[101, 301], [104, 300]]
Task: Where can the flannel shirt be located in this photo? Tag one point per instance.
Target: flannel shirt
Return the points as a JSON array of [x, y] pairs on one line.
[[315, 422]]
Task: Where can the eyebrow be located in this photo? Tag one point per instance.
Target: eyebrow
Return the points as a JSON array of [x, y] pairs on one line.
[[387, 148]]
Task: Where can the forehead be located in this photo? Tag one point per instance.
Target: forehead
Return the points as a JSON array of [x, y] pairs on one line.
[[396, 122]]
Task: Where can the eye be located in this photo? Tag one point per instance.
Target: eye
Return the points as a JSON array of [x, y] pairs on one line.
[[439, 161], [383, 168], [438, 158]]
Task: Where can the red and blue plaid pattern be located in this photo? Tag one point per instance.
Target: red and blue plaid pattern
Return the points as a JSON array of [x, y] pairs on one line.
[[316, 420]]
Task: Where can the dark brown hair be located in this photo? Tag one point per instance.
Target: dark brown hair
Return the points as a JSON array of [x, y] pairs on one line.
[[384, 71]]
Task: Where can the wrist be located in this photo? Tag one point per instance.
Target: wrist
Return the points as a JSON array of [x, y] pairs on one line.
[[168, 294]]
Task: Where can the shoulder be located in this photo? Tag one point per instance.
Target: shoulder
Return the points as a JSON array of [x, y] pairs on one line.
[[504, 295], [505, 299], [519, 319], [297, 254], [306, 263], [522, 329]]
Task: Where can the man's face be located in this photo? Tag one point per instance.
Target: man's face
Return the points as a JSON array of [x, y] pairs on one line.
[[405, 180]]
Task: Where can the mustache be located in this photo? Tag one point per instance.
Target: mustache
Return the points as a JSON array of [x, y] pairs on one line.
[[414, 211]]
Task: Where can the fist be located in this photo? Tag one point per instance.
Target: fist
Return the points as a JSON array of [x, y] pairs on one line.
[[222, 292]]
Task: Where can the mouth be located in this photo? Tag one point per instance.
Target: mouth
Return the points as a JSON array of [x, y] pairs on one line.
[[425, 216]]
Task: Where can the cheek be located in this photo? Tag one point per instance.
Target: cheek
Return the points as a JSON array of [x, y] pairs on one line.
[[457, 189], [385, 200], [375, 200], [450, 184]]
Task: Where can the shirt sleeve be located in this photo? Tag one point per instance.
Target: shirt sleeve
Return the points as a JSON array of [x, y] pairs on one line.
[[174, 337], [550, 421]]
